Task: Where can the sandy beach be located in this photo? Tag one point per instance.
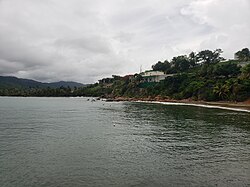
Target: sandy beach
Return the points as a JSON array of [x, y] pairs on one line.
[[238, 106]]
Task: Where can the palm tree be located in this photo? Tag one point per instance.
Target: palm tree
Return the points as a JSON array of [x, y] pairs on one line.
[[222, 90]]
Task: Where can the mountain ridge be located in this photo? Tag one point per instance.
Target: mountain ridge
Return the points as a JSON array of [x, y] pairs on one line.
[[15, 82]]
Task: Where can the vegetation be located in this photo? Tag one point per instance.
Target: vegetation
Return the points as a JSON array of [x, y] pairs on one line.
[[243, 55], [198, 76]]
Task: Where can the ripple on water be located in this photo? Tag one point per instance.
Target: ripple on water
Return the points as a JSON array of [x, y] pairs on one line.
[[73, 142]]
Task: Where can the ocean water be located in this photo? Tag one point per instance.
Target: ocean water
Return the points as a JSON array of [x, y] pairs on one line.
[[59, 142]]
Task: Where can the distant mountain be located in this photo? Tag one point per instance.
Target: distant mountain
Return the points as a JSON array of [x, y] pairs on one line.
[[14, 82], [64, 84]]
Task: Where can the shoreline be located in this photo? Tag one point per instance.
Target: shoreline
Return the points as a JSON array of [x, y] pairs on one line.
[[215, 106], [226, 105], [236, 106]]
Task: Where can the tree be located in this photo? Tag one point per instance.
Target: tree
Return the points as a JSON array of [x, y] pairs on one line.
[[246, 71], [181, 63], [138, 78], [210, 57], [226, 69], [234, 87], [243, 55], [222, 90], [161, 66], [192, 58]]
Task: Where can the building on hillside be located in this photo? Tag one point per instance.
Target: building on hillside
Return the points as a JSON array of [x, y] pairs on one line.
[[154, 76], [236, 57], [243, 64]]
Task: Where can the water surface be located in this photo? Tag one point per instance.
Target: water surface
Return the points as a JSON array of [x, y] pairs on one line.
[[75, 142]]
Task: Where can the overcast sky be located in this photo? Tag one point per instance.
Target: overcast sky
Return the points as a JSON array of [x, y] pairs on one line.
[[85, 40]]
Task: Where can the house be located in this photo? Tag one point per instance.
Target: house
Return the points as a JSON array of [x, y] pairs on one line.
[[243, 64], [154, 76]]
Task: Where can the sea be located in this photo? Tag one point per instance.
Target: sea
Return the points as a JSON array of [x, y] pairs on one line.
[[71, 142]]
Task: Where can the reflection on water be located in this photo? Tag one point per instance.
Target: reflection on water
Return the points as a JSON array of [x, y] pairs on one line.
[[73, 142]]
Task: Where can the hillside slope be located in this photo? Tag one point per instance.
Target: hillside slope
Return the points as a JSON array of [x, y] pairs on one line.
[[14, 82]]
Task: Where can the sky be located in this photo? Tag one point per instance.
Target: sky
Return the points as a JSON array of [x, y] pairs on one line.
[[86, 40]]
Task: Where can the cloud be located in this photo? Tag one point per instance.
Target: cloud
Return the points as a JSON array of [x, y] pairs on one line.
[[85, 40], [228, 21], [90, 44]]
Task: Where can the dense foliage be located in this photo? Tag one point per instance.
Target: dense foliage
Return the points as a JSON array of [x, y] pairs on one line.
[[198, 76], [243, 55]]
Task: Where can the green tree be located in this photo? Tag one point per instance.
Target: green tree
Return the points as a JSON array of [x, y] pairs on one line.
[[222, 90], [226, 69], [243, 55], [193, 58], [210, 57], [161, 66], [246, 71], [181, 63]]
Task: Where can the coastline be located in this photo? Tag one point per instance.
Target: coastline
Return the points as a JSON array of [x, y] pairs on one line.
[[236, 106], [227, 105]]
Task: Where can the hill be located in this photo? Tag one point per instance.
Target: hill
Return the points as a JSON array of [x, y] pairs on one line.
[[14, 82]]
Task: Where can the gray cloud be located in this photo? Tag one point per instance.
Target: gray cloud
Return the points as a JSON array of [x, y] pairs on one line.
[[90, 44], [83, 41]]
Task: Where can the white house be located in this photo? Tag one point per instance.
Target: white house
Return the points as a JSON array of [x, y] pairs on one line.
[[243, 64], [154, 76]]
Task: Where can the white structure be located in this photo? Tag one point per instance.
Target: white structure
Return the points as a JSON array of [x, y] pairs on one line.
[[154, 76], [243, 64]]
